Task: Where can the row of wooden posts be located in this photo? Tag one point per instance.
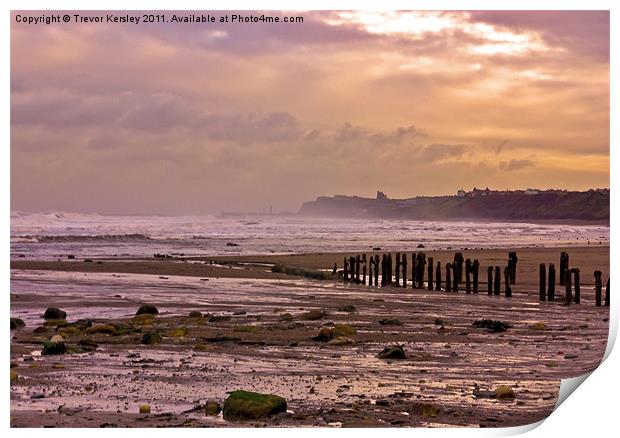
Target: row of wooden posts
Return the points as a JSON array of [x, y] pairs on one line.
[[355, 271], [457, 271], [570, 279]]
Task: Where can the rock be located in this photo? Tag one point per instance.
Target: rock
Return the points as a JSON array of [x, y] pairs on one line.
[[179, 332], [14, 377], [344, 330], [503, 392], [341, 340], [151, 338], [55, 322], [350, 308], [220, 318], [195, 314], [40, 329], [286, 317], [212, 407], [325, 334], [491, 325], [538, 326], [231, 244], [17, 323], [88, 344], [71, 257], [240, 312], [388, 321], [313, 315], [420, 245], [54, 346], [68, 330], [425, 409], [147, 309], [54, 313], [392, 352], [245, 405], [103, 329], [439, 321], [145, 409]]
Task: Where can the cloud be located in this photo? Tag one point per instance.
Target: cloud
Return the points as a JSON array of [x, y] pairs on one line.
[[515, 164]]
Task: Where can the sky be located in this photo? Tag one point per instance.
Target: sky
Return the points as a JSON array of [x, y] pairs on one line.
[[198, 118]]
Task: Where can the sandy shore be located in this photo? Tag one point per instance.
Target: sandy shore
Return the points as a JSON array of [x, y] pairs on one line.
[[256, 336]]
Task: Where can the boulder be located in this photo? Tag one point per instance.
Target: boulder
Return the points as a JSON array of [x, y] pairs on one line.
[[390, 321], [212, 407], [147, 309], [151, 338], [195, 314], [101, 329], [178, 332], [56, 345], [245, 405], [341, 340], [14, 377], [503, 392], [325, 334], [392, 352], [54, 313], [538, 326], [145, 409], [285, 317], [350, 308], [313, 315], [344, 330], [17, 323]]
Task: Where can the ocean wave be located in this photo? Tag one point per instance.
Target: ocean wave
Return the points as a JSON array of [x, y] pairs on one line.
[[83, 238]]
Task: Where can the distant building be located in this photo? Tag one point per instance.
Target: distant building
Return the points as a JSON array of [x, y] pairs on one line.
[[381, 196], [532, 192], [461, 193]]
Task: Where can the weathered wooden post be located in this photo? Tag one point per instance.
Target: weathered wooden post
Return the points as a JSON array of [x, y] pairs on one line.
[[389, 269], [404, 262], [455, 278], [458, 266], [512, 264], [542, 282], [551, 286], [414, 271], [577, 285], [475, 269], [563, 267], [607, 294], [421, 268], [397, 269], [357, 269], [467, 276], [438, 276], [383, 270], [498, 281], [335, 270], [430, 273], [363, 268], [376, 269], [371, 262], [448, 277], [507, 282], [345, 276], [568, 298], [490, 280], [598, 287]]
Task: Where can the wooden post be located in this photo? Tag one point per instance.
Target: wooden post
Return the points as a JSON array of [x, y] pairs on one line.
[[422, 265], [371, 262], [376, 269], [551, 285], [383, 270], [467, 276], [404, 262], [490, 280], [346, 270], [568, 298], [363, 268], [430, 273], [563, 267], [598, 287], [438, 276], [475, 269], [455, 277], [389, 269], [607, 294], [414, 275], [508, 290], [512, 264], [498, 281], [542, 282], [448, 277], [397, 269], [357, 269], [335, 270], [577, 285], [458, 266]]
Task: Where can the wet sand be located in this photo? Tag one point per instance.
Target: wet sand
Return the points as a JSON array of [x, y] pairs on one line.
[[247, 343]]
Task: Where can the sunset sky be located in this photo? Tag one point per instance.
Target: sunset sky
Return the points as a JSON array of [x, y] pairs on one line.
[[198, 118]]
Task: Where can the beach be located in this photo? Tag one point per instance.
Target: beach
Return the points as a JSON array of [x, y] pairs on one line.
[[260, 332]]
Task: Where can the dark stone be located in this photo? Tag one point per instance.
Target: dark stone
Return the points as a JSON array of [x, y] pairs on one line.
[[147, 309], [392, 352], [245, 405], [151, 338], [54, 313], [17, 323], [491, 325], [388, 321]]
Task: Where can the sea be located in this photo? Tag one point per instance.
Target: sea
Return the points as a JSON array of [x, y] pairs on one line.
[[54, 235]]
